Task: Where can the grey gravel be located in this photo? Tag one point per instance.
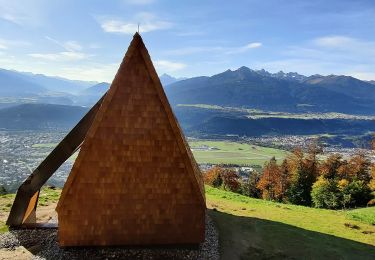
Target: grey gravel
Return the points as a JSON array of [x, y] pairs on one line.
[[43, 245]]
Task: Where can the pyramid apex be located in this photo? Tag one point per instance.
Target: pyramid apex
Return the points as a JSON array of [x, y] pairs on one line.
[[137, 35]]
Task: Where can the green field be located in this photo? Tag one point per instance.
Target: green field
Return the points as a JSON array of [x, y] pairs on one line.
[[257, 229], [50, 146], [44, 145], [366, 215], [224, 152], [227, 152]]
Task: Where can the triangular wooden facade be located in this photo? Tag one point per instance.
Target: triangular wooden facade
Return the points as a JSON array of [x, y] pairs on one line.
[[135, 181]]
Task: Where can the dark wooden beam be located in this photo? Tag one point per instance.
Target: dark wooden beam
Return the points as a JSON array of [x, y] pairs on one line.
[[71, 143]]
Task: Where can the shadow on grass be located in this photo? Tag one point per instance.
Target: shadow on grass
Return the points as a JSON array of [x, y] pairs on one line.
[[253, 238]]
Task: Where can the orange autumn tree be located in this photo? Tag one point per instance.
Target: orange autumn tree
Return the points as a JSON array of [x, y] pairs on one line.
[[227, 178], [282, 181], [268, 182], [213, 177], [231, 180], [275, 180]]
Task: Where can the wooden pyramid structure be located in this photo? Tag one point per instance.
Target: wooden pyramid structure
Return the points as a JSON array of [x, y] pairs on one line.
[[135, 180]]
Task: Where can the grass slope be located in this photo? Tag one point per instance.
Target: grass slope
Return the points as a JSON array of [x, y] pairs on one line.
[[234, 153], [366, 215], [257, 229]]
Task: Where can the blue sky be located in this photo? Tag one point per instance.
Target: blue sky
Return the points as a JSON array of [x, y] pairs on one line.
[[87, 39]]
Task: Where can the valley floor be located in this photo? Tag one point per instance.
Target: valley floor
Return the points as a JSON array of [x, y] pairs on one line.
[[257, 229]]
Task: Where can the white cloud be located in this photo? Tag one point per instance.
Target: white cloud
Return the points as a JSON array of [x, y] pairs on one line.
[[147, 23], [11, 18], [72, 52], [362, 75], [346, 45], [60, 56], [333, 41], [168, 66], [7, 44], [23, 12], [218, 49], [253, 45], [236, 50], [90, 72], [72, 46]]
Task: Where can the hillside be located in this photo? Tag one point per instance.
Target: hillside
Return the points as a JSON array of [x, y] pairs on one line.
[[40, 116], [20, 83], [14, 84], [277, 92], [208, 120], [257, 229]]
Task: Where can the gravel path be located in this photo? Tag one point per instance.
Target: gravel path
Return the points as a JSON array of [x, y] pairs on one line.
[[43, 245]]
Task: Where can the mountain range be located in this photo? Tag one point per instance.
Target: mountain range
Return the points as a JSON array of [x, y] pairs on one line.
[[289, 92], [258, 89], [57, 102], [24, 87]]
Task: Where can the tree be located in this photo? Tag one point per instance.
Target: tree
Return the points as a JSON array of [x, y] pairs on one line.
[[360, 166], [249, 188], [326, 194], [3, 191], [231, 180], [357, 193], [329, 169], [304, 171], [213, 177], [282, 181], [268, 182], [372, 181]]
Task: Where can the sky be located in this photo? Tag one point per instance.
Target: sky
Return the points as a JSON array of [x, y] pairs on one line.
[[87, 39]]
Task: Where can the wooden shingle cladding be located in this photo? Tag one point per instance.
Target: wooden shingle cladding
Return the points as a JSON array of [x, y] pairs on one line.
[[135, 180]]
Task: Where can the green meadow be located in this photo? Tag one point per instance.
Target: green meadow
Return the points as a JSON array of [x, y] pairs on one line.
[[227, 152], [258, 229], [219, 152]]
